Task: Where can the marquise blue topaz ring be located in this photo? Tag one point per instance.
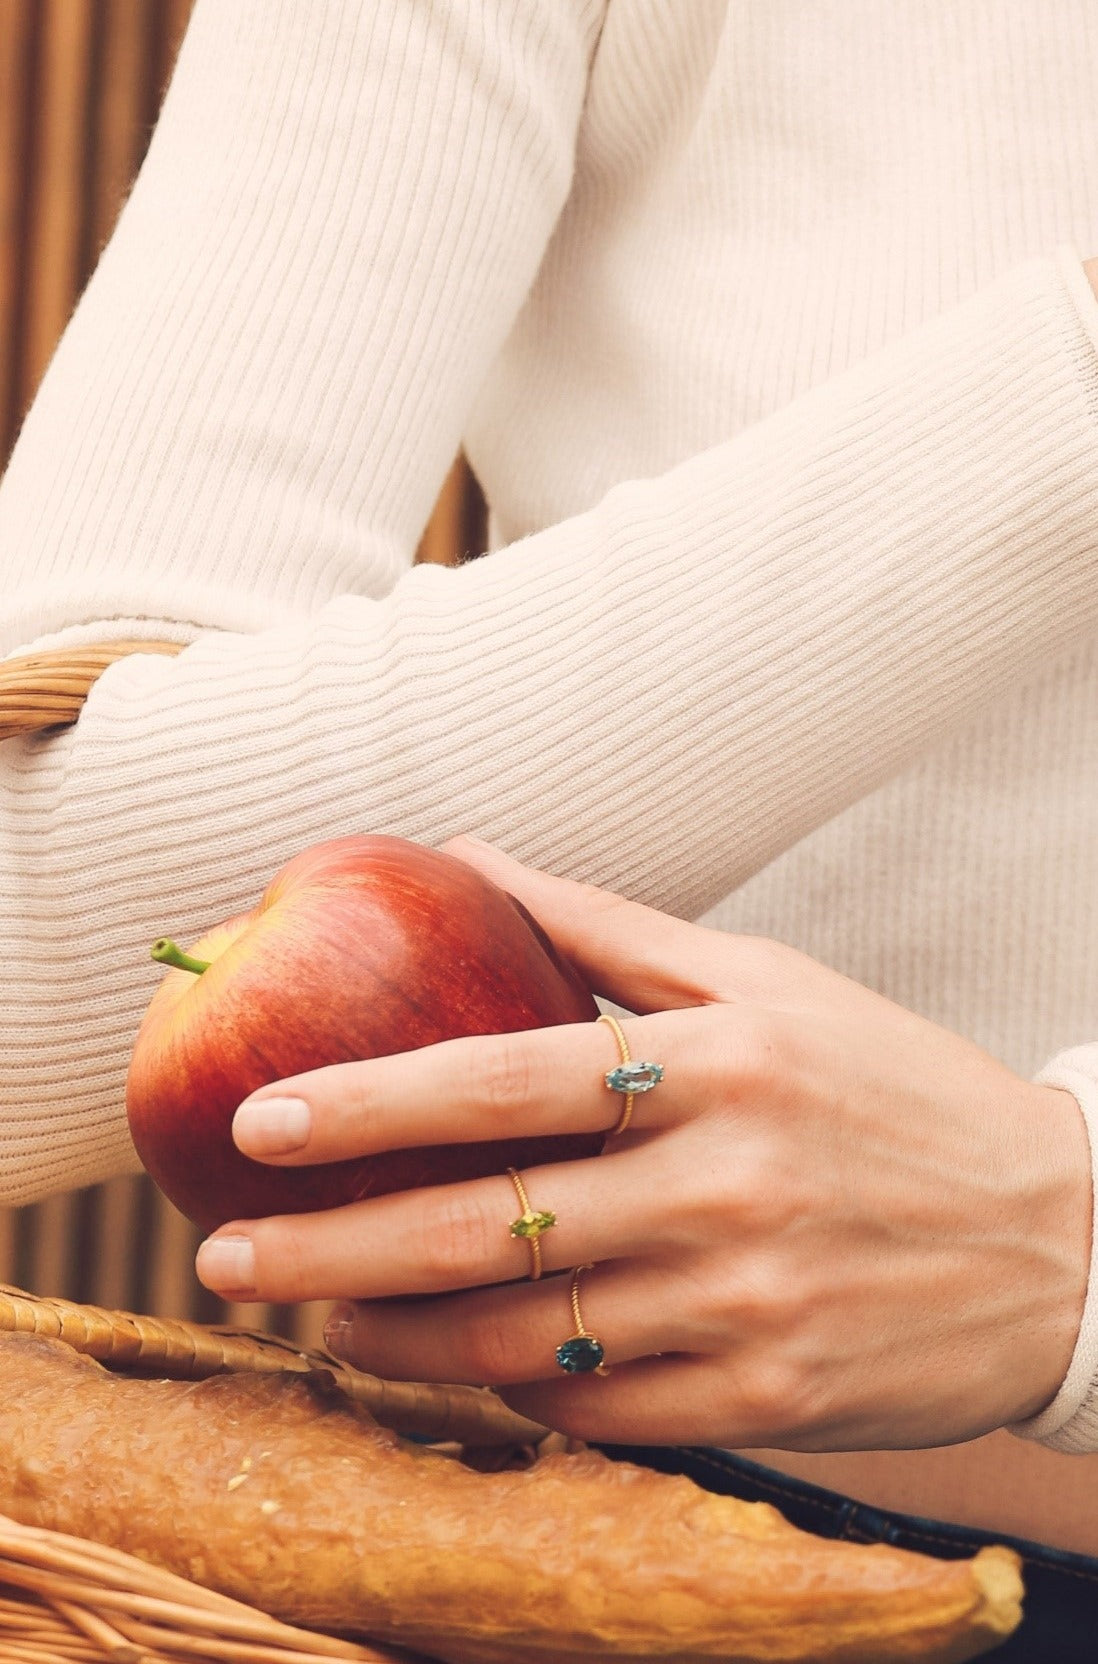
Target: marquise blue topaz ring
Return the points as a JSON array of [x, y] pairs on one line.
[[629, 1078], [582, 1353]]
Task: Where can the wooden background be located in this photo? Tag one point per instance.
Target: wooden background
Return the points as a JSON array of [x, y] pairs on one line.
[[80, 85]]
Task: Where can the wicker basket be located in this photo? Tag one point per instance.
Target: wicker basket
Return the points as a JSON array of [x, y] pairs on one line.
[[46, 690], [65, 1599]]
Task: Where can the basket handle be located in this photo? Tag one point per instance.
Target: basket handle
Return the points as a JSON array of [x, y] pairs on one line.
[[47, 690]]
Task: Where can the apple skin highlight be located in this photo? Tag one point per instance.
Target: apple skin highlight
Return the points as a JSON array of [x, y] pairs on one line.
[[360, 947]]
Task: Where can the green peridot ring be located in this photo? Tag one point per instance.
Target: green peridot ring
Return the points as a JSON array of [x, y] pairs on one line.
[[529, 1224]]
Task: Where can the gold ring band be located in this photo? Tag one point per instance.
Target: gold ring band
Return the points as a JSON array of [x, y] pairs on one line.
[[626, 1057], [629, 1077], [529, 1225], [582, 1353]]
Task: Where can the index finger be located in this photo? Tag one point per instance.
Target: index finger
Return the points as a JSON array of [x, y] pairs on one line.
[[641, 958], [537, 1083]]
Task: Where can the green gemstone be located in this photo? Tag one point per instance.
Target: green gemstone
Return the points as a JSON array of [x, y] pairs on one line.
[[580, 1355], [532, 1224]]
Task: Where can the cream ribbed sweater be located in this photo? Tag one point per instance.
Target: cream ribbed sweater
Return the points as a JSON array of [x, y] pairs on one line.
[[766, 329]]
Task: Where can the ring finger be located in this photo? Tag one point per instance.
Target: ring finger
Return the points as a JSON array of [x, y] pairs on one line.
[[503, 1336], [445, 1238]]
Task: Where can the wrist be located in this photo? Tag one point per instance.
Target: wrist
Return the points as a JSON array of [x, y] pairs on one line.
[[1057, 1214]]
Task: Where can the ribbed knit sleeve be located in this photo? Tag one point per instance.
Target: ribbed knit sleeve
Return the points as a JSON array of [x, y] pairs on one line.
[[660, 693], [341, 212]]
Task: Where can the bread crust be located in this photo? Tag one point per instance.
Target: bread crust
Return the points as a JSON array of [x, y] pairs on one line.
[[277, 1491]]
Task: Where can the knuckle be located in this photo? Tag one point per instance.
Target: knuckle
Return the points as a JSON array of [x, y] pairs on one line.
[[774, 1396], [763, 969], [761, 1300], [605, 903], [738, 1053], [766, 1198], [503, 1076], [356, 1124], [489, 1350], [755, 1300], [753, 1053], [346, 1119], [455, 1248], [283, 1259]]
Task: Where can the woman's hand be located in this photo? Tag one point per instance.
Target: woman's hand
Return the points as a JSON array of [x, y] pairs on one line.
[[832, 1225]]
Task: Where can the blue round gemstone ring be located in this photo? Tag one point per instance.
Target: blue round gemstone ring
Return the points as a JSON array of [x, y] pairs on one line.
[[582, 1353], [629, 1078]]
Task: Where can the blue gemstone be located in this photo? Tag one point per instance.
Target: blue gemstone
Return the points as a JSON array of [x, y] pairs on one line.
[[580, 1355], [635, 1077]]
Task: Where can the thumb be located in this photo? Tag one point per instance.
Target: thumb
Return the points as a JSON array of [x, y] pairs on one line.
[[639, 958]]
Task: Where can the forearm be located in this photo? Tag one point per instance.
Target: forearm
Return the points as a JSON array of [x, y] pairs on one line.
[[261, 390], [660, 694]]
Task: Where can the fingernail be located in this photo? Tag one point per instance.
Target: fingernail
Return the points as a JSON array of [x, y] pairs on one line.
[[227, 1263], [337, 1329], [272, 1126]]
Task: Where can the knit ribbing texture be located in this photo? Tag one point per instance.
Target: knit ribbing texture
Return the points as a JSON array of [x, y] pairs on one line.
[[769, 338]]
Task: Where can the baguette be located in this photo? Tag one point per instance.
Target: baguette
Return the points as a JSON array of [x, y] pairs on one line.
[[279, 1492]]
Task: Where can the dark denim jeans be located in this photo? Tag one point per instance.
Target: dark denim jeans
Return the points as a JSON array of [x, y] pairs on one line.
[[1060, 1625]]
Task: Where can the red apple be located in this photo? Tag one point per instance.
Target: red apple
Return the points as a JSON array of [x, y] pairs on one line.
[[360, 947]]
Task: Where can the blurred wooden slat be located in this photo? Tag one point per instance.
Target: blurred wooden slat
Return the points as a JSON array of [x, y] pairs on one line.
[[250, 1315], [305, 1324], [7, 1245], [457, 528], [124, 29], [16, 80], [173, 17], [57, 233], [111, 1273], [171, 1277], [51, 1264]]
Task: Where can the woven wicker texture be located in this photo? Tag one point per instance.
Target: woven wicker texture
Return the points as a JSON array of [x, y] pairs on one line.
[[190, 1351], [64, 1599], [46, 690]]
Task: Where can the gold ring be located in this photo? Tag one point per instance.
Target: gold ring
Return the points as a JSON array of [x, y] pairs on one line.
[[629, 1077], [582, 1353], [529, 1224]]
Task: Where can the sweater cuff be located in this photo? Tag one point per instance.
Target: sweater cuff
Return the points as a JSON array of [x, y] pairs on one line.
[[1070, 1422], [1077, 284]]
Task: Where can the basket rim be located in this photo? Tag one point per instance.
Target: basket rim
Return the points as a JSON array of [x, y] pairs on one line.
[[186, 1351], [46, 688]]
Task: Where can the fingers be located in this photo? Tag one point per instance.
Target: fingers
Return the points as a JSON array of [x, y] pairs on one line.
[[429, 1241], [542, 1082], [672, 1400], [504, 1335], [642, 959]]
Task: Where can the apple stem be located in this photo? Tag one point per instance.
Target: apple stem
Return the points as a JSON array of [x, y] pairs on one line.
[[166, 953]]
